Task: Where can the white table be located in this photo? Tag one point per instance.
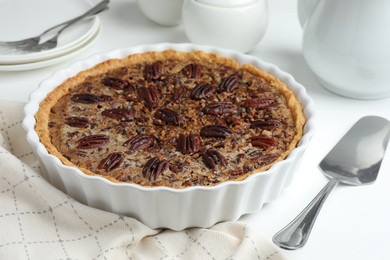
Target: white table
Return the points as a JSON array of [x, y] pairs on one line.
[[355, 221]]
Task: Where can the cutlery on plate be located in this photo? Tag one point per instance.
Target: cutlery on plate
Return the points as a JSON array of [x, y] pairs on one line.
[[53, 42], [30, 44], [355, 160]]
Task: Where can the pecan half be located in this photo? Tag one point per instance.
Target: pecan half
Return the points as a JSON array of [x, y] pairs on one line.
[[112, 161], [188, 144], [121, 114], [154, 167], [263, 142], [115, 83], [192, 70], [168, 116], [267, 124], [93, 141], [215, 131], [201, 91], [262, 158], [139, 142], [85, 98], [153, 71], [220, 108], [149, 95], [259, 103], [229, 84], [74, 121], [212, 158]]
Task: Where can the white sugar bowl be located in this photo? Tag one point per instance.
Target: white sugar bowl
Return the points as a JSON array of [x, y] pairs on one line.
[[232, 24], [162, 12]]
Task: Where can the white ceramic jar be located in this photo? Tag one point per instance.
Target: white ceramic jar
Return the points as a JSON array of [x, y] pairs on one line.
[[163, 12], [347, 45], [234, 24]]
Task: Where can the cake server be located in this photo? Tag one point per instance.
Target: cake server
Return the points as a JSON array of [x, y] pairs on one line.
[[355, 160]]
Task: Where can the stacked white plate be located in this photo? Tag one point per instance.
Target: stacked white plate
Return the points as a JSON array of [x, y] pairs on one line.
[[25, 18]]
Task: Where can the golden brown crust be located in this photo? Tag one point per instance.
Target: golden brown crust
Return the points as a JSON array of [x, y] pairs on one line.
[[202, 160]]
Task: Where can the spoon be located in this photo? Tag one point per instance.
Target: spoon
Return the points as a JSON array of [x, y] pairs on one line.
[[355, 160]]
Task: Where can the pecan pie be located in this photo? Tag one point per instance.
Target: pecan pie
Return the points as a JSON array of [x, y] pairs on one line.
[[170, 118]]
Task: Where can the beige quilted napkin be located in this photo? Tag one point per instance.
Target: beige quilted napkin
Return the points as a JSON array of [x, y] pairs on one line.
[[38, 221]]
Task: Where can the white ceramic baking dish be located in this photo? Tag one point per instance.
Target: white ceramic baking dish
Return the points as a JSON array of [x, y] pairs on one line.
[[162, 207]]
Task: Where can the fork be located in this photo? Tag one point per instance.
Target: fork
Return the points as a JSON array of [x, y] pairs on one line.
[[30, 44], [52, 42]]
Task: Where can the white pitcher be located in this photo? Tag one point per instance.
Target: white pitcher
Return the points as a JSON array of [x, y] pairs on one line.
[[346, 43], [305, 7]]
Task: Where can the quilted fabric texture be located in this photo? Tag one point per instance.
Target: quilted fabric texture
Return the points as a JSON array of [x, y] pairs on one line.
[[40, 222]]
